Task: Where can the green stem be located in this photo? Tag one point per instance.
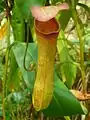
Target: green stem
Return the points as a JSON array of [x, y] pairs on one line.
[[79, 31], [5, 72]]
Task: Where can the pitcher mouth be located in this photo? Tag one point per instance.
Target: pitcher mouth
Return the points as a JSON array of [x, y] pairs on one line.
[[49, 27]]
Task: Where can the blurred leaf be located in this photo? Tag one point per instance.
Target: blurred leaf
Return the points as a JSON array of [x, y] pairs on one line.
[[1, 113], [64, 18], [18, 25], [25, 5], [68, 69], [8, 116], [2, 5]]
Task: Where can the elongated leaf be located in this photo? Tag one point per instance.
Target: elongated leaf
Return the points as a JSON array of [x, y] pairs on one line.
[[17, 25], [63, 102], [68, 69]]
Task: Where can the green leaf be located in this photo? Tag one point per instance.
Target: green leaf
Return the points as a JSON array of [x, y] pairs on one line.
[[68, 69], [63, 102], [31, 58], [2, 5], [13, 81], [64, 18], [18, 25], [25, 5]]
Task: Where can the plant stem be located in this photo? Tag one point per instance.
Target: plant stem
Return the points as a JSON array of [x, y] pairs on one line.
[[79, 30], [6, 69]]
